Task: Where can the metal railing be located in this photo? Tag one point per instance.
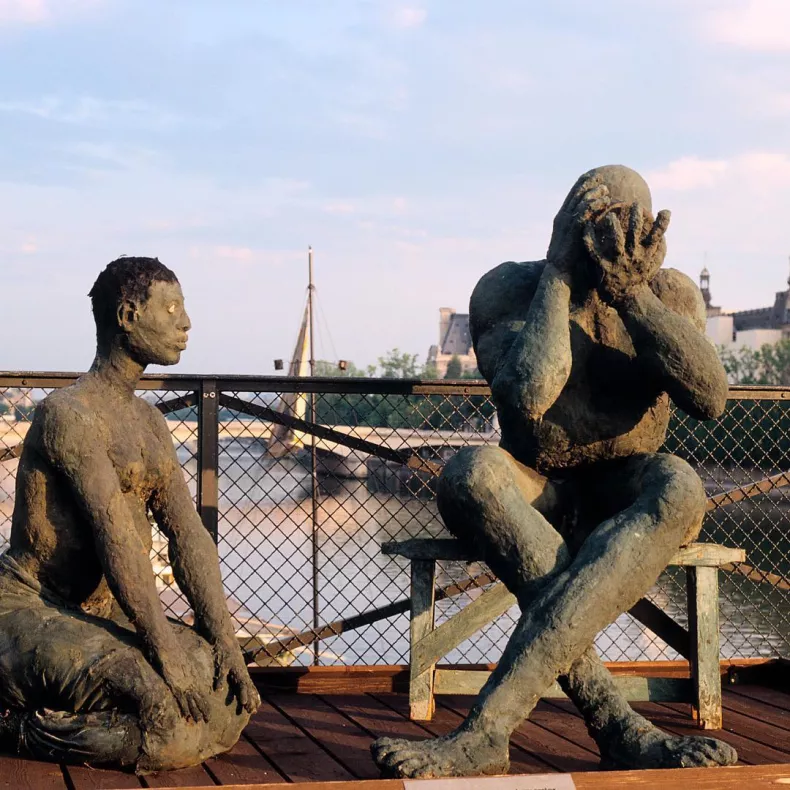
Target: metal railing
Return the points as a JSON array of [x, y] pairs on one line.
[[299, 534]]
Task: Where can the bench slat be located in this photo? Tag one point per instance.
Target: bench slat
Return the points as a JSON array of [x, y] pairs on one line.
[[709, 555]]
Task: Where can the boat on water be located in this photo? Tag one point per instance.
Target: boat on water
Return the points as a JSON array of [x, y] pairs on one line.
[[285, 440]]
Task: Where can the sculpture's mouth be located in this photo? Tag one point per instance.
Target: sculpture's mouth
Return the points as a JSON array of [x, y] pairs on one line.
[[181, 344]]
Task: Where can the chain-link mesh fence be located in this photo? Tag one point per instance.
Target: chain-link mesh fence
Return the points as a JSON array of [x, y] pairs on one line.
[[308, 486]]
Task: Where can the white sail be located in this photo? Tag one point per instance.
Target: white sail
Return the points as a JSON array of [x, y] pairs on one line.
[[294, 404]]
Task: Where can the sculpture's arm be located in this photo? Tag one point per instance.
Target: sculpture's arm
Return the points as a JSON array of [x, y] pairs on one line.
[[72, 446], [195, 563], [675, 351], [532, 373]]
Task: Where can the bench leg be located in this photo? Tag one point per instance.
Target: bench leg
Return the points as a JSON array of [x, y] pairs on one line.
[[423, 582], [703, 610]]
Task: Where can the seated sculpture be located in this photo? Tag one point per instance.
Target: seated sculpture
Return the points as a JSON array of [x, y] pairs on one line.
[[576, 511], [91, 671]]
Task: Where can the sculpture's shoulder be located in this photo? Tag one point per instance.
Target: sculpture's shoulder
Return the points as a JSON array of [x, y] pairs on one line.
[[680, 294], [62, 421], [503, 295]]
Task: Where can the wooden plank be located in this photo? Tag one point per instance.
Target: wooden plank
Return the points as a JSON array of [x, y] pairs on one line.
[[709, 555], [634, 688], [331, 680], [345, 741], [492, 603], [423, 578], [395, 678], [243, 764], [732, 778], [749, 750], [703, 613], [704, 554], [554, 750], [17, 773], [756, 709], [446, 720], [185, 777], [378, 784], [562, 718], [774, 697], [290, 749], [376, 718], [430, 549], [85, 778]]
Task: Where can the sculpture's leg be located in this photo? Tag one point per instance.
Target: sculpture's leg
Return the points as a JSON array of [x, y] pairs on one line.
[[79, 689], [496, 503]]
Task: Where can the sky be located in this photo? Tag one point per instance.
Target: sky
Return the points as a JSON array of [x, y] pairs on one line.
[[414, 145]]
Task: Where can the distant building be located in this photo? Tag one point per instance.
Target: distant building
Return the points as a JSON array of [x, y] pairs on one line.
[[455, 340], [750, 328]]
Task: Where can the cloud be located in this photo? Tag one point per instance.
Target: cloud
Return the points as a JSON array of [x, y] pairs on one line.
[[36, 12], [758, 25], [409, 17], [92, 111], [688, 173]]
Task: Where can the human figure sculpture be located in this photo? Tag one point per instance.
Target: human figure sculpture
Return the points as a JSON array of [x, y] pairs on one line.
[[91, 671], [576, 511]]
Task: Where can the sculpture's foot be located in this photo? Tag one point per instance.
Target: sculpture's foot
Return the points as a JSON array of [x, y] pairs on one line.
[[460, 753], [637, 743]]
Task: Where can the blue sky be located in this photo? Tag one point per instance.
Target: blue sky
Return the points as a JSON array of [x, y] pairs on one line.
[[414, 144]]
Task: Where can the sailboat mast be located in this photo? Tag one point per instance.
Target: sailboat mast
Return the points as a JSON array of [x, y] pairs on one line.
[[313, 457], [310, 291]]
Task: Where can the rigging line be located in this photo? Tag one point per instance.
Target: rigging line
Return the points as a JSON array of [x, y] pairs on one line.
[[322, 317]]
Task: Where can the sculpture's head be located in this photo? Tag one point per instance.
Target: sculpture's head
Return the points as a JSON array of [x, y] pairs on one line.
[[625, 187], [138, 302]]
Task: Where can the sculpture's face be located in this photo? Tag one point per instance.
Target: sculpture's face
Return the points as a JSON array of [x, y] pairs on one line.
[[156, 330]]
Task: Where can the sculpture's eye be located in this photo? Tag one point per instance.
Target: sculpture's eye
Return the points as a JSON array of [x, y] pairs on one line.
[[171, 309]]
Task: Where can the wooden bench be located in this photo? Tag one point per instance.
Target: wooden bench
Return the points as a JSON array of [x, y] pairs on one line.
[[700, 644]]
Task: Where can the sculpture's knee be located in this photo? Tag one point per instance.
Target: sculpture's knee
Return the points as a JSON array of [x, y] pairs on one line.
[[472, 477], [681, 498]]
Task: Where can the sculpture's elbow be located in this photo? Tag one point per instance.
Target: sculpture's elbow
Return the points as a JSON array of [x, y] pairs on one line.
[[707, 402]]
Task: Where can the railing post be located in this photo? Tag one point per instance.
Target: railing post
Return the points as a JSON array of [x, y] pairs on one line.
[[208, 444]]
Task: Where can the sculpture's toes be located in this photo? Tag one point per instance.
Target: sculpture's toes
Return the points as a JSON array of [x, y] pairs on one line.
[[696, 752]]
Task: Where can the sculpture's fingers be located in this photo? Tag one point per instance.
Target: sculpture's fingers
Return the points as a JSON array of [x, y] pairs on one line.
[[575, 197], [614, 232], [598, 197], [658, 230], [202, 707], [635, 223], [591, 243]]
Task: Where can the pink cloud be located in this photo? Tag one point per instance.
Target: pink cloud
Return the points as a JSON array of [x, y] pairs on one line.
[[35, 12], [688, 173], [406, 17], [761, 25]]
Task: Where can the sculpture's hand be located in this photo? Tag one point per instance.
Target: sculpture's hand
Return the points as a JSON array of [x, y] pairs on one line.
[[174, 667], [630, 258], [229, 664], [566, 249]]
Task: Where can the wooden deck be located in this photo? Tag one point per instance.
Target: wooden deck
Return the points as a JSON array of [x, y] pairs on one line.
[[325, 738]]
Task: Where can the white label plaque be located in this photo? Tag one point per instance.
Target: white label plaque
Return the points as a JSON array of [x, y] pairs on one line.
[[531, 782]]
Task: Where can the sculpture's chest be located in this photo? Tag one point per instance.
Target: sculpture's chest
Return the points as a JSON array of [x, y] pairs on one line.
[[137, 457]]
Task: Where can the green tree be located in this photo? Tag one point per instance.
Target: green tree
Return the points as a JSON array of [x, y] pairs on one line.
[[395, 365], [454, 368], [768, 366]]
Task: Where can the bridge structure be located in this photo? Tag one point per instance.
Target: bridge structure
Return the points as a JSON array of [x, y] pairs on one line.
[[341, 449]]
